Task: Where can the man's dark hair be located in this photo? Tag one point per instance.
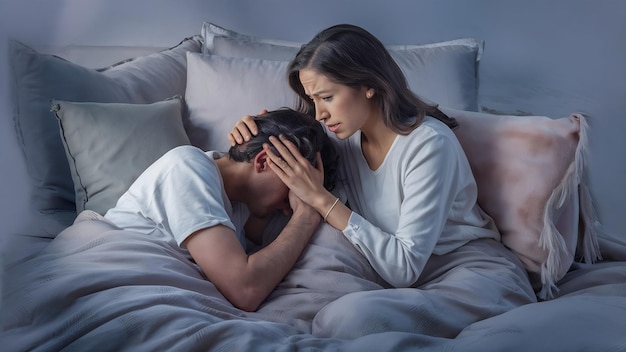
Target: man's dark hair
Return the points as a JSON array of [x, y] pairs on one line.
[[299, 128]]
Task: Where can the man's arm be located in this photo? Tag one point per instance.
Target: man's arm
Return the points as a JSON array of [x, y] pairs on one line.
[[246, 280]]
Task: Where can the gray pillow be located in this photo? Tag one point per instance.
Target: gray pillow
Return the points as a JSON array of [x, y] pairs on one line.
[[38, 78], [445, 73], [108, 145], [221, 90]]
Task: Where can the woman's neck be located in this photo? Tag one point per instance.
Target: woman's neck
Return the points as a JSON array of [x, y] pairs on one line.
[[376, 140]]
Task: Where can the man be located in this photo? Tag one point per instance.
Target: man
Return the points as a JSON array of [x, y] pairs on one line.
[[201, 201]]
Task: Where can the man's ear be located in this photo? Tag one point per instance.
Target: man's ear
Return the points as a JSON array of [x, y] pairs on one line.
[[260, 162]]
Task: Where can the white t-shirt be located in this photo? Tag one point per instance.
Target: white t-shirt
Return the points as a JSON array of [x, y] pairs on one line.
[[180, 193], [420, 201]]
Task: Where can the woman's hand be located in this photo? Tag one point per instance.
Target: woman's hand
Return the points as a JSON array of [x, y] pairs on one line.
[[244, 129], [302, 178]]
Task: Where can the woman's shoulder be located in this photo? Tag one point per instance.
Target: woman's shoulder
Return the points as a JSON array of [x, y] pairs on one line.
[[431, 139], [431, 130]]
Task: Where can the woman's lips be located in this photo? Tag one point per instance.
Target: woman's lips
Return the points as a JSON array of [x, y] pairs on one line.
[[333, 128]]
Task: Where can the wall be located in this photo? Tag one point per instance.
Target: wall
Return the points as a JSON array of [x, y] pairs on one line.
[[541, 57]]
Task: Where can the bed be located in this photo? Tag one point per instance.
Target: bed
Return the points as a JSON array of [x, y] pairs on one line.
[[80, 283]]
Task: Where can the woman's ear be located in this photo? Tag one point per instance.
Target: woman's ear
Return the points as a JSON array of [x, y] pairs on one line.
[[260, 162], [369, 93]]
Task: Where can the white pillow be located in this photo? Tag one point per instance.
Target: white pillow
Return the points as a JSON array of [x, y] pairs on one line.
[[220, 90], [445, 73]]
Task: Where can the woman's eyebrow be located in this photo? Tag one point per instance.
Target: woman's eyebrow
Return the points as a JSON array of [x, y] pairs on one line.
[[319, 92]]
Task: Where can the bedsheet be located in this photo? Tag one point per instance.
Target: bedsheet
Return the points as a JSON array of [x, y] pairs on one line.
[[96, 287]]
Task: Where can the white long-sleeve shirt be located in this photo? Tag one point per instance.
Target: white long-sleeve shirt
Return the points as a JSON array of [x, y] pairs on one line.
[[420, 201]]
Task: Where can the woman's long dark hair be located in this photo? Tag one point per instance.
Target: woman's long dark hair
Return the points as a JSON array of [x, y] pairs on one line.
[[350, 55]]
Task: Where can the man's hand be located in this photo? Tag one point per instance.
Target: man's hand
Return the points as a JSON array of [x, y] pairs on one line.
[[302, 210]]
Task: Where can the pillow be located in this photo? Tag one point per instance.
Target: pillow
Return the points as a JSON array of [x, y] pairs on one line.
[[445, 72], [530, 176], [221, 90], [108, 145], [211, 31], [37, 78]]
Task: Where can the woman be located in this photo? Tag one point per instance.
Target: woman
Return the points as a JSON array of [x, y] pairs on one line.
[[412, 199]]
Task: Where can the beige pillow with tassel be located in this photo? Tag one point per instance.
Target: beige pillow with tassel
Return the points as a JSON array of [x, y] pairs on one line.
[[531, 180]]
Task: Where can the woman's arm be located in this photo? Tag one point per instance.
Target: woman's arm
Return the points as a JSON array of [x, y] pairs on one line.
[[428, 179], [417, 198]]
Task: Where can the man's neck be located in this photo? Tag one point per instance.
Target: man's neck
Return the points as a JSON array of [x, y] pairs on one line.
[[234, 175]]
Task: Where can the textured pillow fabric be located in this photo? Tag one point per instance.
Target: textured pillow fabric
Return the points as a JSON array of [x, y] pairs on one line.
[[38, 78], [108, 145], [445, 73], [220, 90], [530, 176]]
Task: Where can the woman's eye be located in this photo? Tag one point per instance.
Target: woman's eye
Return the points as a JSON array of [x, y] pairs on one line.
[[327, 98]]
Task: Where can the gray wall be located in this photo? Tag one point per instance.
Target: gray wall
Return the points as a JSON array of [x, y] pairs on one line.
[[541, 57]]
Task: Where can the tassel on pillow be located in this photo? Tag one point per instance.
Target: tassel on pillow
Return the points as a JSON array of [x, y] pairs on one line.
[[530, 172]]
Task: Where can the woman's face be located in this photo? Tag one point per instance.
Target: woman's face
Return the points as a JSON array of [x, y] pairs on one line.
[[344, 110]]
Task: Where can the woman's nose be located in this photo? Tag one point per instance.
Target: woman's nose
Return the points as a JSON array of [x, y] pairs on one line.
[[321, 115]]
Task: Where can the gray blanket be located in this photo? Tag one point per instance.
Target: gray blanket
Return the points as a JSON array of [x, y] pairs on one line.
[[96, 287]]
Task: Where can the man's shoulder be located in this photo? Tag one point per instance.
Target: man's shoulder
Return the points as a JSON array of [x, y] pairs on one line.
[[186, 152], [186, 160]]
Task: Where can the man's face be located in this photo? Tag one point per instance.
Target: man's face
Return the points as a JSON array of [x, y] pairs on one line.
[[272, 195]]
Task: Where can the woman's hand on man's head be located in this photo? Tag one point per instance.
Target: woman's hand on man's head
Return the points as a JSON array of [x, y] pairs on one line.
[[244, 129], [302, 178]]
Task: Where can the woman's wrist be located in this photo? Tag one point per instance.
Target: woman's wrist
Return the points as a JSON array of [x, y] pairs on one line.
[[324, 202], [330, 209], [334, 212]]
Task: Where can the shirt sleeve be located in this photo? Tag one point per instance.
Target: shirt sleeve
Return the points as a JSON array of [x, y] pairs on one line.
[[183, 193], [428, 177]]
